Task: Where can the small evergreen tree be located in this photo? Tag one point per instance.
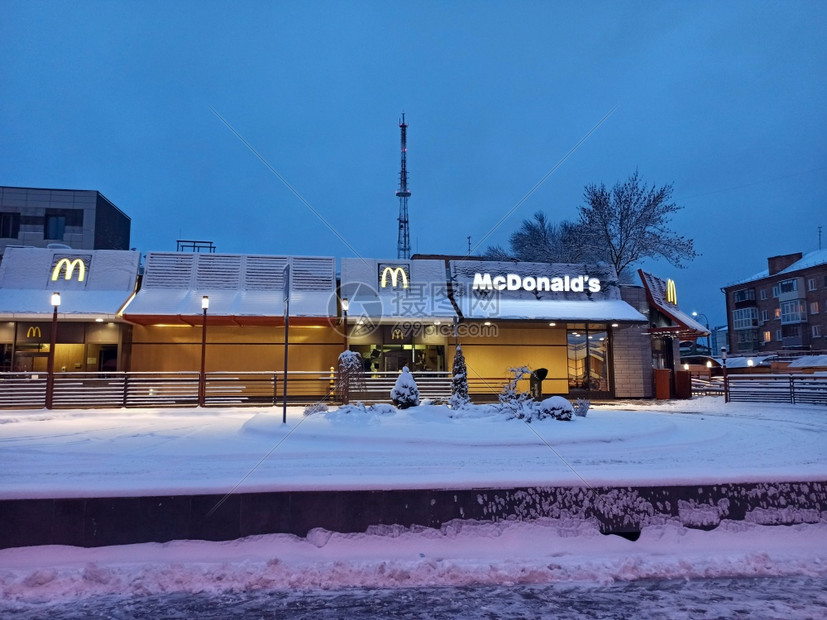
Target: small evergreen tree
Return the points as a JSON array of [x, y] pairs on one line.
[[405, 392], [459, 381]]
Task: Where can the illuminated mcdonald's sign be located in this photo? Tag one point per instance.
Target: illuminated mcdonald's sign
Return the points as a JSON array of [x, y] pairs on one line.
[[671, 292], [396, 274], [34, 332], [397, 334], [69, 266]]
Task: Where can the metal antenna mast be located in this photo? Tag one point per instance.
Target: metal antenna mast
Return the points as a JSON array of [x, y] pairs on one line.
[[403, 245]]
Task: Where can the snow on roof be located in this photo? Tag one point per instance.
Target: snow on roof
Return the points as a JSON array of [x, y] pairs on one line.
[[236, 284], [427, 294], [809, 361], [811, 259], [91, 283], [378, 289], [656, 290]]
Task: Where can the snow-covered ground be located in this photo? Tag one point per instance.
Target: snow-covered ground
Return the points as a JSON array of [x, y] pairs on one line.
[[126, 452]]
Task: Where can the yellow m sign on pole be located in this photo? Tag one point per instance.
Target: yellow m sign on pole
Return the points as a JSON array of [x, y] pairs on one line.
[[69, 266], [396, 274], [34, 332], [671, 292]]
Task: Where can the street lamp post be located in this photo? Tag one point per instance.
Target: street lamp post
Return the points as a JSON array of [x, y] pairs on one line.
[[50, 369], [202, 378], [345, 307], [708, 332], [726, 382]]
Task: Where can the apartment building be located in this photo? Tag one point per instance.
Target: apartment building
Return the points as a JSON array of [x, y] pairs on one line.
[[781, 308]]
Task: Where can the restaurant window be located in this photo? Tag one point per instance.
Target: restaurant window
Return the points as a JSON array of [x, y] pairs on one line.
[[588, 364]]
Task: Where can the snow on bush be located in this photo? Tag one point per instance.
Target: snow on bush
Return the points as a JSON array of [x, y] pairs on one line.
[[520, 405], [360, 408], [350, 376], [405, 393], [555, 407], [581, 407], [513, 403], [315, 408], [459, 382]]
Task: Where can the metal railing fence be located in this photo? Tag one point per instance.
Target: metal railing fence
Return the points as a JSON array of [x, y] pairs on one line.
[[789, 388]]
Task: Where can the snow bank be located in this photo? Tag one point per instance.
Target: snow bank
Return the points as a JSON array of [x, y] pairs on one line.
[[460, 553]]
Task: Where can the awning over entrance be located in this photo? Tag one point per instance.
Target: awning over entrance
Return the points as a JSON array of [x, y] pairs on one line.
[[242, 289], [93, 284], [662, 296]]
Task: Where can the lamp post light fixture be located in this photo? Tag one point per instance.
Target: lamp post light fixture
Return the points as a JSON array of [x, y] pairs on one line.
[[202, 377], [345, 307], [708, 331], [50, 369]]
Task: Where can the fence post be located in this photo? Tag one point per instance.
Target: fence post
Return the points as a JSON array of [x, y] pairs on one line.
[[125, 399], [792, 390]]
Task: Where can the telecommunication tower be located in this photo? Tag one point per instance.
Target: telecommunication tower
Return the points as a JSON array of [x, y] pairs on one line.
[[403, 245]]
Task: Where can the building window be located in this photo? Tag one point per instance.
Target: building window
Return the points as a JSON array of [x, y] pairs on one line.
[[815, 331], [747, 338], [792, 311], [747, 294], [763, 294], [778, 335], [744, 318], [811, 284], [791, 331], [9, 225], [788, 286], [767, 336], [54, 227], [777, 313], [765, 316], [776, 291], [813, 307]]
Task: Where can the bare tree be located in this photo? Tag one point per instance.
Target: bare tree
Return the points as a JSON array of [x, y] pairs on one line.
[[630, 222]]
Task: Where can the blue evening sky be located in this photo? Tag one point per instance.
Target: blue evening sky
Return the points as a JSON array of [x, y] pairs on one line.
[[726, 100]]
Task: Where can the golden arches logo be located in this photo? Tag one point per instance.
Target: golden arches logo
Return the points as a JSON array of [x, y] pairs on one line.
[[69, 266], [396, 274], [671, 292], [397, 334], [34, 332]]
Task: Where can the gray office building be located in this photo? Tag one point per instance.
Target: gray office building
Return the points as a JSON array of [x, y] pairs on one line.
[[80, 219]]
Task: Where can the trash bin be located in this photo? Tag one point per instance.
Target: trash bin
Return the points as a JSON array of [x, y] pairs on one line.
[[683, 384], [663, 383], [535, 383]]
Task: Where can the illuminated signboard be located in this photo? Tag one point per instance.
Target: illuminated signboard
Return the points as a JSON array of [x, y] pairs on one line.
[[671, 292], [34, 332], [516, 282], [70, 267], [394, 276]]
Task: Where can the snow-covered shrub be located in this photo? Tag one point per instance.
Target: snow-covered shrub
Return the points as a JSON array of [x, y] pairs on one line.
[[513, 403], [405, 392], [581, 407], [555, 407], [315, 408], [459, 381], [350, 376], [361, 408]]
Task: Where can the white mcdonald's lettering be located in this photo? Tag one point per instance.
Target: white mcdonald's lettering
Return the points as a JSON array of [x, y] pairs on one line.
[[396, 273], [671, 292], [33, 332], [69, 268]]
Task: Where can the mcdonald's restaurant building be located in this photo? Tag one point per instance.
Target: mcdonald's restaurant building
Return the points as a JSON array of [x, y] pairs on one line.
[[94, 287], [589, 332]]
